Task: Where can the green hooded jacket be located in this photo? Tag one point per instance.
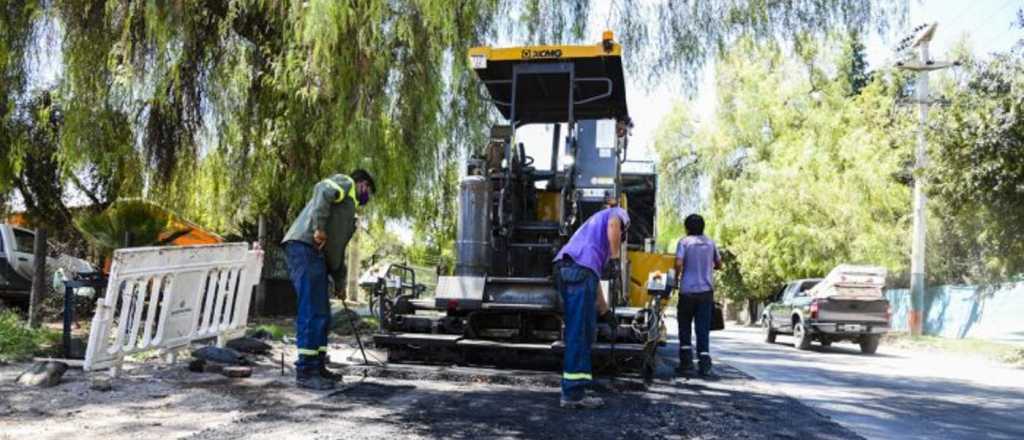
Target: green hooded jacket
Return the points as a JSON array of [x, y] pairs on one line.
[[332, 209]]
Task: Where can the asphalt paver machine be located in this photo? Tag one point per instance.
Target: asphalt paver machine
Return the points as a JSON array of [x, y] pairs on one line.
[[501, 307]]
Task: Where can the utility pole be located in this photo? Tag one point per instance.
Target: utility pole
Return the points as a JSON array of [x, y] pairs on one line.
[[920, 40]]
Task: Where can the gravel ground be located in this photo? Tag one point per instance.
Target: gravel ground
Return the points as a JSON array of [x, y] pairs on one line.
[[397, 402]]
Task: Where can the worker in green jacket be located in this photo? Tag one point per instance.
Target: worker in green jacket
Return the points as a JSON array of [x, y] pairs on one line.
[[315, 249]]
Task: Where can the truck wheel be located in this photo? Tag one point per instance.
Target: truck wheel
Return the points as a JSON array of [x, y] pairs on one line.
[[769, 332], [869, 343], [801, 337]]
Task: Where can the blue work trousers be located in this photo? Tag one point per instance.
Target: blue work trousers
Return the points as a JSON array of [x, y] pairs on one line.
[[695, 309], [308, 272], [578, 287]]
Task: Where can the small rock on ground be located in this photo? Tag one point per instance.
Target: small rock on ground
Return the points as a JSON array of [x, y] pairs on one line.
[[101, 382], [220, 355], [43, 374], [237, 372], [249, 345]]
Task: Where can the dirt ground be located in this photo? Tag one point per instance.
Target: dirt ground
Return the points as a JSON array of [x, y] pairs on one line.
[[396, 402]]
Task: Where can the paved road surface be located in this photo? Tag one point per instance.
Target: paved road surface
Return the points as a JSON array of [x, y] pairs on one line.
[[396, 402], [894, 394]]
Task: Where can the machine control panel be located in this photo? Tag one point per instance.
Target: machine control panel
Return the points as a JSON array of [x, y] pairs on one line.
[[661, 284], [597, 158]]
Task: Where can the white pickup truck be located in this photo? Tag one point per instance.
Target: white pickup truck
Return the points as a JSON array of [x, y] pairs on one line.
[[16, 263]]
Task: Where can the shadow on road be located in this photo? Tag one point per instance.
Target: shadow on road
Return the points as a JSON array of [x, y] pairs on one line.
[[667, 410], [832, 349], [882, 395]]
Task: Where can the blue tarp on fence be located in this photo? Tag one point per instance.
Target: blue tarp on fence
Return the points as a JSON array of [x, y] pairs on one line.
[[899, 304], [995, 313]]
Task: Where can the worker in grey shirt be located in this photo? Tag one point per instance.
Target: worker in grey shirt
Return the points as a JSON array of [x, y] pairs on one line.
[[696, 257], [315, 249]]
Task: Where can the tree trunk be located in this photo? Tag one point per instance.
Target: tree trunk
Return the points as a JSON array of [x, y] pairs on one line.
[[752, 311], [38, 278]]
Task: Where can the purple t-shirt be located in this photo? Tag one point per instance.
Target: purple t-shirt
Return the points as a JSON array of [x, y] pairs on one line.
[[699, 255], [588, 247]]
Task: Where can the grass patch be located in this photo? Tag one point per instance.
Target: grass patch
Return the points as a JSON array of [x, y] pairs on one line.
[[372, 322], [18, 342], [1015, 357], [276, 332], [143, 356], [998, 351]]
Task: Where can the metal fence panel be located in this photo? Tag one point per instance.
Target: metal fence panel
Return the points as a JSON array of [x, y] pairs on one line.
[[899, 304], [164, 298], [984, 312]]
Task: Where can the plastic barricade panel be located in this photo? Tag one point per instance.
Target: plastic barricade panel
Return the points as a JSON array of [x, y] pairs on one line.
[[164, 298]]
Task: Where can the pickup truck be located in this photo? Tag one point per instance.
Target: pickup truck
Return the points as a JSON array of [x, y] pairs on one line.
[[16, 263], [846, 305]]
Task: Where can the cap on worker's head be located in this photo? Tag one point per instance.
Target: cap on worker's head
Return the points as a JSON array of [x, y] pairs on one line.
[[361, 175]]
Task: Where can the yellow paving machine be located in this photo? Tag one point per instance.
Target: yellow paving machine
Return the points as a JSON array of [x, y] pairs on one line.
[[500, 307]]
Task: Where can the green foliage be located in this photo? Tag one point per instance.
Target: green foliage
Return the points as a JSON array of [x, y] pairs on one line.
[[808, 169], [977, 175], [16, 33], [680, 173], [146, 223], [679, 37], [853, 64], [275, 331], [244, 105], [228, 110], [17, 341], [800, 173]]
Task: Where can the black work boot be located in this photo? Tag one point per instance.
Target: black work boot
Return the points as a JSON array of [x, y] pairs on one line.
[[325, 372], [313, 381], [685, 367], [705, 365]]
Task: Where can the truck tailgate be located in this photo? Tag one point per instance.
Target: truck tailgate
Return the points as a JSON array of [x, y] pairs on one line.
[[837, 309]]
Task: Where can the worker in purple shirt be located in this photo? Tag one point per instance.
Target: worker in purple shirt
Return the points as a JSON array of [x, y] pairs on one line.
[[696, 257], [595, 245]]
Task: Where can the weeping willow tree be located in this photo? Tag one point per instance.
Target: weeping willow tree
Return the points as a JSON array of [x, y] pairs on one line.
[[240, 106], [16, 34], [223, 110]]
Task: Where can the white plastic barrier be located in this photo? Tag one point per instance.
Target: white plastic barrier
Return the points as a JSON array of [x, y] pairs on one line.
[[163, 298]]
